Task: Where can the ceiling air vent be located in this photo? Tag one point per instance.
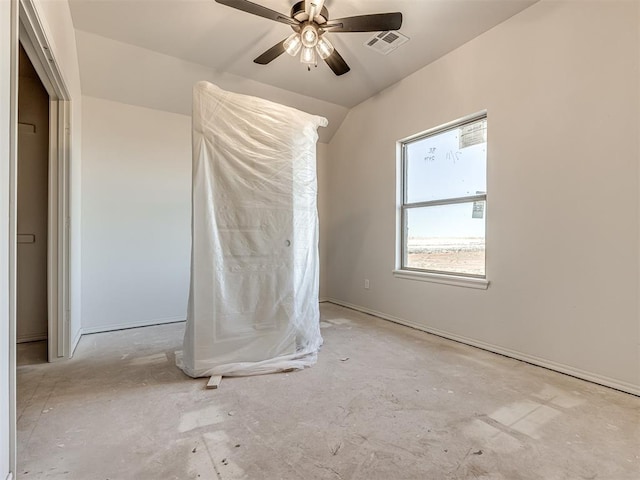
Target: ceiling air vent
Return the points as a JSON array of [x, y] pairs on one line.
[[386, 42]]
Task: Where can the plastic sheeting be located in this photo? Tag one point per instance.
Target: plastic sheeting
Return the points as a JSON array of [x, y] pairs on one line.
[[253, 300]]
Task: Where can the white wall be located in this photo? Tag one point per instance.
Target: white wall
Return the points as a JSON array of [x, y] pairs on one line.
[[560, 83], [136, 214], [137, 76], [8, 49]]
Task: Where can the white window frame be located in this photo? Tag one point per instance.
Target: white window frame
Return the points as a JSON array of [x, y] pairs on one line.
[[401, 271]]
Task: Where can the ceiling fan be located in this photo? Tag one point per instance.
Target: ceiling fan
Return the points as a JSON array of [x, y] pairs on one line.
[[310, 21]]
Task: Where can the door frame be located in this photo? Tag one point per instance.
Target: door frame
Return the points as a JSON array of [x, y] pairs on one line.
[[33, 38], [27, 29]]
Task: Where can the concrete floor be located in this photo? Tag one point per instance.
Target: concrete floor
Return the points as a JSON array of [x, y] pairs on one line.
[[384, 402]]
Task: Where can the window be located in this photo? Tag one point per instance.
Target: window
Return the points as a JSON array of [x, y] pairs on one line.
[[444, 200]]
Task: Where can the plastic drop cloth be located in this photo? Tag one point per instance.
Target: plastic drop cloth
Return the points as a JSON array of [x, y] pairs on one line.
[[253, 300]]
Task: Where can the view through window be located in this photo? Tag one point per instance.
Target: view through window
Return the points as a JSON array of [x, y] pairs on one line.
[[444, 193]]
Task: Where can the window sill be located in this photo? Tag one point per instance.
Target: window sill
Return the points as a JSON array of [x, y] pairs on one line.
[[458, 281]]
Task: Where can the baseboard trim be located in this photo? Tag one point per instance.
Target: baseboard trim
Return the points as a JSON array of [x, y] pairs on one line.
[[323, 300], [36, 337], [75, 342], [127, 326], [532, 359]]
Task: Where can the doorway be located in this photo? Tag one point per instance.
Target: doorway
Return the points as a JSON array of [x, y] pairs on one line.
[[35, 46], [32, 207]]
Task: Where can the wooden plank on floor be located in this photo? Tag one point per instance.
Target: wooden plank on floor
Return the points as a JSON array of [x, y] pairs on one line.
[[214, 381]]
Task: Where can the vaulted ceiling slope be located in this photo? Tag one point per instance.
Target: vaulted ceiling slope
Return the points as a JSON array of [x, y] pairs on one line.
[[137, 76], [210, 40]]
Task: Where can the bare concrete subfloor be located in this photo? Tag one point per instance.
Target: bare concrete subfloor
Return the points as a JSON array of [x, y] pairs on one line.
[[384, 402]]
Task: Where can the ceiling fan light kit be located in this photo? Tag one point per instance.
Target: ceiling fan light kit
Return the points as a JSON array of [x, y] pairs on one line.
[[308, 56], [310, 41], [293, 44], [309, 35], [324, 48], [310, 21]]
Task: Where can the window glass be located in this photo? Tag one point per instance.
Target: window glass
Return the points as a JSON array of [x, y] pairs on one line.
[[444, 207], [447, 165], [446, 238]]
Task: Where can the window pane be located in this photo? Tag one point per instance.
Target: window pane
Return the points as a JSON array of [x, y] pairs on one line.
[[446, 238], [450, 164]]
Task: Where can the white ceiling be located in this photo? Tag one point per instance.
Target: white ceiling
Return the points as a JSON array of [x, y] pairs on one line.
[[225, 40]]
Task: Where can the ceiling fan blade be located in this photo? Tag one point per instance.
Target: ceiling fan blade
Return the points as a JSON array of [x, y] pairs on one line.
[[365, 23], [337, 63], [271, 54], [259, 10]]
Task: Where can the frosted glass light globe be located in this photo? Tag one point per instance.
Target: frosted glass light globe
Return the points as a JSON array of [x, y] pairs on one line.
[[309, 36]]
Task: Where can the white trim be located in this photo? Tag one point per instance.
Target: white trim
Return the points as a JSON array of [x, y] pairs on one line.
[[10, 476], [446, 126], [532, 359], [75, 341], [45, 62], [12, 220], [457, 280], [56, 337], [126, 326], [323, 299], [59, 226]]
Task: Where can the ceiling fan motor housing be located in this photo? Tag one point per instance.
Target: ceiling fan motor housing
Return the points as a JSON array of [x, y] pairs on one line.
[[298, 12]]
